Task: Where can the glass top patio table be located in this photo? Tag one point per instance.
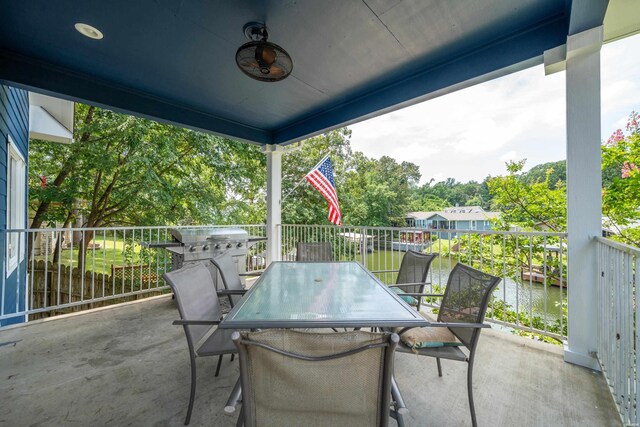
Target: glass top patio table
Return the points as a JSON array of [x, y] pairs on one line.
[[320, 295]]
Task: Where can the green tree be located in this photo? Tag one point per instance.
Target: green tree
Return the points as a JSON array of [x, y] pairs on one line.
[[127, 170], [433, 197], [370, 191], [379, 190], [303, 204], [621, 198], [539, 173], [533, 205]]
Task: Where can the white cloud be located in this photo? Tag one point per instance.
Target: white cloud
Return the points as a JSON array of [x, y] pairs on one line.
[[438, 177], [509, 156], [469, 134]]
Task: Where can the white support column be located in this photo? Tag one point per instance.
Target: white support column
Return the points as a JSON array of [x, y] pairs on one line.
[[274, 196], [584, 192]]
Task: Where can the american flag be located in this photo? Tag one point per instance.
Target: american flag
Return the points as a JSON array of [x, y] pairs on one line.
[[321, 177]]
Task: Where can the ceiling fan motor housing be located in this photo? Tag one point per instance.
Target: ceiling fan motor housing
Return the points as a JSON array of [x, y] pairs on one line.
[[261, 59]]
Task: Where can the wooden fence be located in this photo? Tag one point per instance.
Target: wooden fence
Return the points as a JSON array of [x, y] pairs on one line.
[[52, 284]]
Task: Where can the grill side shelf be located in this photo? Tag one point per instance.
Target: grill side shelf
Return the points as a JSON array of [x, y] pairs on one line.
[[164, 244]]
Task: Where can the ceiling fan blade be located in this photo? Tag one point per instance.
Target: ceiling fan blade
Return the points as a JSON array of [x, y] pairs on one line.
[[276, 71], [248, 62], [263, 60]]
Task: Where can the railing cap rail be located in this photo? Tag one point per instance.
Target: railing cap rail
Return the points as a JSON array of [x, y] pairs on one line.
[[432, 230], [619, 246], [127, 228]]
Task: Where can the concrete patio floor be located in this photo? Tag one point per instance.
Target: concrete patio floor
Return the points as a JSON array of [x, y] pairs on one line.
[[128, 366]]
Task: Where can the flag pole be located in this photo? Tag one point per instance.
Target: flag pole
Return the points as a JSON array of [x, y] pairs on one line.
[[303, 179], [293, 189], [322, 160]]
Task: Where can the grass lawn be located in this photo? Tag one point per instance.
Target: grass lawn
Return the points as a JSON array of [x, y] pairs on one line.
[[110, 253]]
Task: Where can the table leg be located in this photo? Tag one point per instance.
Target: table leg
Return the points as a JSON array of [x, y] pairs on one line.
[[234, 397]]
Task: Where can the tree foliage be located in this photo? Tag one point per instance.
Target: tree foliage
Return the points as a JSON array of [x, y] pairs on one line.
[[303, 204], [621, 198], [539, 204], [436, 196], [125, 170], [554, 173], [370, 191], [379, 191]]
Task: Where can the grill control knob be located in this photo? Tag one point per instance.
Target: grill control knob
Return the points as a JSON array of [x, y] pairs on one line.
[[205, 248], [239, 244], [217, 246], [228, 245], [192, 248]]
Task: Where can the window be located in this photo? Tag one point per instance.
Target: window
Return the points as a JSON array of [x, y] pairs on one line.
[[474, 225], [16, 208]]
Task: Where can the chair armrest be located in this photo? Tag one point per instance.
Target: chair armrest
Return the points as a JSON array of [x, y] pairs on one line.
[[399, 285], [252, 274], [460, 325], [196, 322], [448, 325], [231, 292], [422, 295]]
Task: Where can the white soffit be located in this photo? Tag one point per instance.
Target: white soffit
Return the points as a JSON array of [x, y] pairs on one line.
[[50, 119], [621, 20]]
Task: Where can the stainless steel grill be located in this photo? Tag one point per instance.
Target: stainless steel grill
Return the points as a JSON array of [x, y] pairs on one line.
[[200, 244]]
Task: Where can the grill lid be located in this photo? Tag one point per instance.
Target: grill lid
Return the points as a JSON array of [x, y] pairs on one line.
[[203, 234]]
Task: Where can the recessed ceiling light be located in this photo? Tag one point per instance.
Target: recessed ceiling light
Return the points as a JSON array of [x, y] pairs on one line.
[[89, 31]]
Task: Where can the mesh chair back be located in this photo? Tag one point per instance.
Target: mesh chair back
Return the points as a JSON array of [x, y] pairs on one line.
[[318, 251], [196, 298], [465, 300], [341, 390], [414, 269], [229, 273]]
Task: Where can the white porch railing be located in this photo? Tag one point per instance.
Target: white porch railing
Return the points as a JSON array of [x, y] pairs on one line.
[[618, 338], [531, 296], [117, 267]]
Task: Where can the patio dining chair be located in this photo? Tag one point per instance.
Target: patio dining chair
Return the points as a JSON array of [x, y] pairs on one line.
[[320, 379], [458, 325], [200, 312], [313, 251], [412, 276], [231, 279]]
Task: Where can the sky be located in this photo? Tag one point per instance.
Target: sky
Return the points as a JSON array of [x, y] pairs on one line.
[[471, 133]]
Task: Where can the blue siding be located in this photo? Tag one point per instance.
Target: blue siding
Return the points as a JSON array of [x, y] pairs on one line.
[[437, 218], [462, 225], [484, 225], [14, 121], [438, 221]]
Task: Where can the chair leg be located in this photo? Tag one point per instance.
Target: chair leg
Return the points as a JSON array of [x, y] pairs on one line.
[[474, 423], [219, 363], [399, 407], [240, 421], [393, 413], [193, 390], [439, 366]]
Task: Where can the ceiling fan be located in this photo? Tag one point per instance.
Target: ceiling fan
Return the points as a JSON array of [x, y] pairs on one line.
[[261, 59]]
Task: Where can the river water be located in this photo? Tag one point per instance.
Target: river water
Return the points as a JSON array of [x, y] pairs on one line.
[[524, 296]]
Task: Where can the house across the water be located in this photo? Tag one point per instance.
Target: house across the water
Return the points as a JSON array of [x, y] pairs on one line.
[[453, 218]]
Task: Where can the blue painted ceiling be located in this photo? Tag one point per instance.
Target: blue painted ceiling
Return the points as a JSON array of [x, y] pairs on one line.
[[173, 60]]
